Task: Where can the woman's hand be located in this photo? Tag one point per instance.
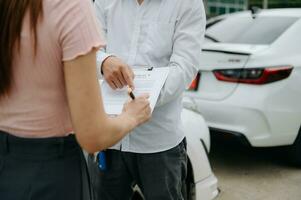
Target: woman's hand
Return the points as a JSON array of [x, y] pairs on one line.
[[94, 129], [138, 110]]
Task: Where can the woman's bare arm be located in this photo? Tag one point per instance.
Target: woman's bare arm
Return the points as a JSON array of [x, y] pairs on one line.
[[94, 129]]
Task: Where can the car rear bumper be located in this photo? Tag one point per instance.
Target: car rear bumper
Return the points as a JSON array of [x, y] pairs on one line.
[[266, 115], [253, 123]]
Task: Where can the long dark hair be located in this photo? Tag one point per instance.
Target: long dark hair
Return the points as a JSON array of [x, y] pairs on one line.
[[12, 13]]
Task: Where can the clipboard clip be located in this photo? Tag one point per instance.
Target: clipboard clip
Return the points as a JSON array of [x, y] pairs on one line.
[[143, 67]]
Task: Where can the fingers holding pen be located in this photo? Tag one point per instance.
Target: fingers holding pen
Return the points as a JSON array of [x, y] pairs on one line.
[[118, 74], [139, 108]]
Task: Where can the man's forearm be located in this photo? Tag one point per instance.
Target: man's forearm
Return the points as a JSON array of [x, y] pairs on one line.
[[101, 56], [187, 47], [177, 82]]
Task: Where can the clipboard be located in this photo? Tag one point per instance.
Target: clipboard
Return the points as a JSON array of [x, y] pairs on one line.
[[147, 80]]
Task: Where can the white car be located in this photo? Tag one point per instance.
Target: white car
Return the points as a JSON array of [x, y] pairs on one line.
[[201, 182], [249, 83]]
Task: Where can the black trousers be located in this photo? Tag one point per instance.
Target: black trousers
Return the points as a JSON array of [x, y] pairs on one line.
[[42, 169], [160, 176]]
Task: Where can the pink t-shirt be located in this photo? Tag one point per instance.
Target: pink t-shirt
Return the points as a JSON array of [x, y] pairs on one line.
[[37, 106]]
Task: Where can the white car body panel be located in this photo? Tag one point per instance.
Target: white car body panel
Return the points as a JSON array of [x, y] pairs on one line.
[[267, 115], [197, 130], [235, 48], [259, 117], [201, 187]]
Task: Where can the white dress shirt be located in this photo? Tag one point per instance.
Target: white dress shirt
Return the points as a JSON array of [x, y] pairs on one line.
[[156, 33]]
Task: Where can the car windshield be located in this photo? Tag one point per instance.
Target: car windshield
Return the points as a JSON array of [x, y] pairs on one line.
[[248, 30]]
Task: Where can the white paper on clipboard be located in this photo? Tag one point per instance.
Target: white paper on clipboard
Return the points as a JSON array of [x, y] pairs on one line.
[[148, 81]]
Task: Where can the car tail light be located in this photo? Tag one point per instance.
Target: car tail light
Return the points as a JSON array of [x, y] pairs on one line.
[[256, 76], [195, 83]]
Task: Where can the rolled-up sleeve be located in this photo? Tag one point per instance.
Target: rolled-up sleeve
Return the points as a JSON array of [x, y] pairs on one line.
[[101, 16], [187, 46]]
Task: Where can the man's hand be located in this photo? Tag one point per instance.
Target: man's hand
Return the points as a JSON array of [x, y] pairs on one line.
[[117, 73]]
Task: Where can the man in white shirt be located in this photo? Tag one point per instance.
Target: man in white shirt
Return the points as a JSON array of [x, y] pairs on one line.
[[154, 33]]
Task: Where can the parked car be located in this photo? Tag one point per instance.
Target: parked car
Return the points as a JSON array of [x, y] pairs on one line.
[[249, 83], [201, 182]]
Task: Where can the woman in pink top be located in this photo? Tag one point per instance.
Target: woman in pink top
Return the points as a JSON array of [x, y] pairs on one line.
[[49, 90]]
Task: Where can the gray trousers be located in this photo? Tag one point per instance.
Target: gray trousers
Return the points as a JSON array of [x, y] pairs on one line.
[[160, 176]]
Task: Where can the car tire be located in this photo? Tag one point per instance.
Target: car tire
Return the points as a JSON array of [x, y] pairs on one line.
[[295, 151]]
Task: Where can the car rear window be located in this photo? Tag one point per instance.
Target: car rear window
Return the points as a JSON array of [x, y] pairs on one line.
[[246, 30]]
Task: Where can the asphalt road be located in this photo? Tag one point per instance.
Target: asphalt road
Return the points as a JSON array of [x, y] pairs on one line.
[[253, 173]]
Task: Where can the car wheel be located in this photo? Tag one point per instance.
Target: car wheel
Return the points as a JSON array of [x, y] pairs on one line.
[[295, 151]]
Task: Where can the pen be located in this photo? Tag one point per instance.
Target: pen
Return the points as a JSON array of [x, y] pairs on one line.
[[131, 94], [102, 163]]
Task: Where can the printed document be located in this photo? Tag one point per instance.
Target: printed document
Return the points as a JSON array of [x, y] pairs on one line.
[[148, 81]]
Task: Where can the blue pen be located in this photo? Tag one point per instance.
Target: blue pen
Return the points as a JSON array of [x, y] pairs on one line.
[[101, 158]]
